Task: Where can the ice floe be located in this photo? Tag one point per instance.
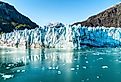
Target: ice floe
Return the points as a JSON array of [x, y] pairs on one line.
[[23, 70], [104, 67], [77, 65], [59, 72], [87, 62], [50, 68], [98, 77], [18, 71], [100, 58], [72, 69], [84, 67], [5, 77]]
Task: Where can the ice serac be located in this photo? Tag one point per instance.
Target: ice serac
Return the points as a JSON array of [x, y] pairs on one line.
[[58, 35], [96, 36], [55, 35]]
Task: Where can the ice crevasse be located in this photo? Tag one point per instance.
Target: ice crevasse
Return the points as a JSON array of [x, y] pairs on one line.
[[63, 36]]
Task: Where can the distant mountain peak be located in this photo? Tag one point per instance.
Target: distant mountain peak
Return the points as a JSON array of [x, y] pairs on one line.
[[56, 25]]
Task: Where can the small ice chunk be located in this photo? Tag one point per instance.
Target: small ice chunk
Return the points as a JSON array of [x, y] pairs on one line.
[[77, 65], [7, 67], [72, 69], [77, 68], [85, 57], [104, 67], [116, 60], [53, 67], [1, 73], [119, 61], [18, 71], [56, 67], [22, 70], [7, 76], [59, 72], [98, 77], [87, 62], [84, 67], [100, 58], [75, 59], [50, 68]]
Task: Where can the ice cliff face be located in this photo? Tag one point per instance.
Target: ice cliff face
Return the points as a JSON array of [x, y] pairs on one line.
[[61, 36], [53, 35], [96, 36]]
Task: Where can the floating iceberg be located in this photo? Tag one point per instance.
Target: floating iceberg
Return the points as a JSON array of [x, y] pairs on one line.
[[63, 36], [104, 67], [59, 72], [6, 76], [72, 69], [84, 67]]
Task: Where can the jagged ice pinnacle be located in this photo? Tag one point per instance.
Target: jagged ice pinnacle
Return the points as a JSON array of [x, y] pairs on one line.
[[60, 36]]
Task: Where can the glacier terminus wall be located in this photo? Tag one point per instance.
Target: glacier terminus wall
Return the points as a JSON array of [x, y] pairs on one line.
[[61, 36]]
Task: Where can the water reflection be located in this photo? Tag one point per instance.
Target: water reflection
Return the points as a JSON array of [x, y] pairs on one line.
[[92, 65], [38, 55], [44, 54]]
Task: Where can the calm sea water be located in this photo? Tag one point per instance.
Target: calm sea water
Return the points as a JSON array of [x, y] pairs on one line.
[[59, 65]]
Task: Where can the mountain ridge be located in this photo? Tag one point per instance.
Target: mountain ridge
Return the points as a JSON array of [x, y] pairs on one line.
[[110, 17], [11, 19]]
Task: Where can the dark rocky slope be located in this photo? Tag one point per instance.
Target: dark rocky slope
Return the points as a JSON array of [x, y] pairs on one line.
[[11, 19], [108, 18]]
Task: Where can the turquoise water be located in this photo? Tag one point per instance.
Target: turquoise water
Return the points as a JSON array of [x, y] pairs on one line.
[[59, 65]]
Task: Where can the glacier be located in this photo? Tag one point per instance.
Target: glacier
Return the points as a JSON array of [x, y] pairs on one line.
[[58, 35]]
